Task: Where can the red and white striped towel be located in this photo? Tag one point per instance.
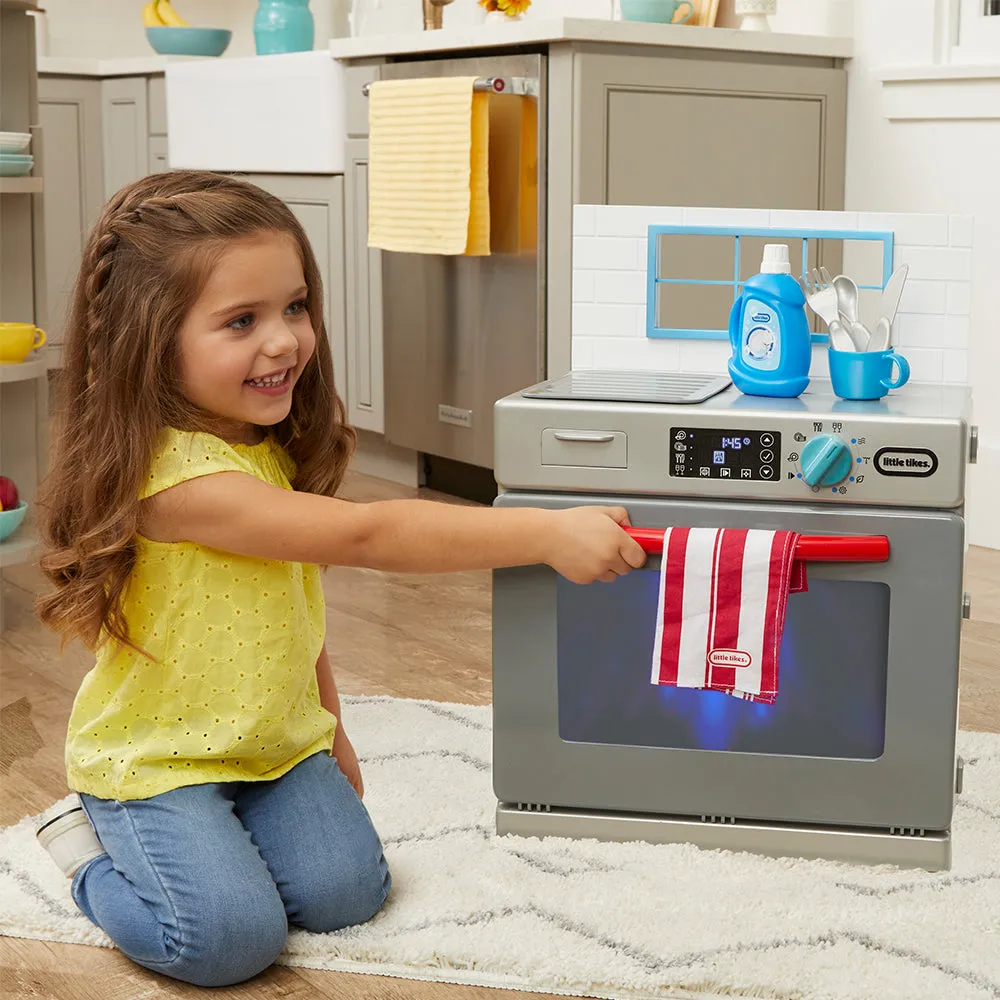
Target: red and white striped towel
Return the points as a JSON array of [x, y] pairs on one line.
[[721, 610]]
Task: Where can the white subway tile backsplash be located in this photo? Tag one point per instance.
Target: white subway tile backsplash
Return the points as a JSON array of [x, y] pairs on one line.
[[915, 330], [583, 353], [635, 220], [933, 329], [597, 320], [959, 298], [820, 366], [925, 365], [583, 285], [935, 263], [606, 253], [704, 356], [924, 297], [628, 287], [585, 220], [961, 230], [755, 217], [956, 367], [788, 219], [635, 354], [913, 230]]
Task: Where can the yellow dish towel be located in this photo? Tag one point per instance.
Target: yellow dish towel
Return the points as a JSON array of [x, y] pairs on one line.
[[428, 167]]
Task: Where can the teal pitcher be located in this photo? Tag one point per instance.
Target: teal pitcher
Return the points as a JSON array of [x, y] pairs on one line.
[[283, 26]]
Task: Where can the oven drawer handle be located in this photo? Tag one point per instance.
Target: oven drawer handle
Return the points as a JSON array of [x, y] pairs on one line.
[[810, 548], [583, 437]]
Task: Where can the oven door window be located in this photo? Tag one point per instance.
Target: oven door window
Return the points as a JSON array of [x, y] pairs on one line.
[[832, 675]]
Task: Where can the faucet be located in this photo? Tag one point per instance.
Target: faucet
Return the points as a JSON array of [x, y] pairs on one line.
[[434, 14]]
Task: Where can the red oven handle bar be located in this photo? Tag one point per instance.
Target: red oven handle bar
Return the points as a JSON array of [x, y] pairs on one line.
[[810, 548]]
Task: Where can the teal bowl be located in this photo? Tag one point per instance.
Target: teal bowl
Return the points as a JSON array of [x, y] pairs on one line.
[[10, 520], [189, 41], [656, 11]]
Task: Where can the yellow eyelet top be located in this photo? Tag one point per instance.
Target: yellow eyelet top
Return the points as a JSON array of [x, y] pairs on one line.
[[231, 693]]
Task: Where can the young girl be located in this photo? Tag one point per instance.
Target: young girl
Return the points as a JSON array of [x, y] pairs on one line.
[[190, 506]]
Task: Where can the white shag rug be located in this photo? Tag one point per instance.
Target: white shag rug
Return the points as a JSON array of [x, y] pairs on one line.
[[583, 918]]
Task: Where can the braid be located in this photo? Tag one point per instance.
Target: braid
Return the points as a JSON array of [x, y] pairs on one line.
[[143, 268]]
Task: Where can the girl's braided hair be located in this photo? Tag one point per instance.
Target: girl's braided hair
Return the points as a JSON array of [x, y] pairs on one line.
[[145, 263]]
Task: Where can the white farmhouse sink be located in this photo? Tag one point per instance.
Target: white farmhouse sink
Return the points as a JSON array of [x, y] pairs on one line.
[[270, 114]]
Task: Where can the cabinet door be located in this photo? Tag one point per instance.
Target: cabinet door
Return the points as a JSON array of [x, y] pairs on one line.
[[365, 398], [318, 204], [714, 132], [158, 154], [69, 111], [126, 131]]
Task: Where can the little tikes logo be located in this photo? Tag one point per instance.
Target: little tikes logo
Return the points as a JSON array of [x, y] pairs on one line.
[[761, 317], [729, 658]]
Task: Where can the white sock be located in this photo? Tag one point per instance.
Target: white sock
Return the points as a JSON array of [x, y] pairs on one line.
[[65, 832]]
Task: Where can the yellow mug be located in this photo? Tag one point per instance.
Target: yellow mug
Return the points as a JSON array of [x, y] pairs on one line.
[[17, 340]]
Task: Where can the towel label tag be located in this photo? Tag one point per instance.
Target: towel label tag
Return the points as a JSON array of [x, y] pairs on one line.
[[729, 658], [453, 415]]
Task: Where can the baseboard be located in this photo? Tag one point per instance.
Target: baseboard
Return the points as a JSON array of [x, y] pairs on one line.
[[376, 457]]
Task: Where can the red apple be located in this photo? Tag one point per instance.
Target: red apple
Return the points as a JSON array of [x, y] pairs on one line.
[[8, 494]]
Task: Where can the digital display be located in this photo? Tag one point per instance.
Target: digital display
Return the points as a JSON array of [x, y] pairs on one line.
[[713, 453]]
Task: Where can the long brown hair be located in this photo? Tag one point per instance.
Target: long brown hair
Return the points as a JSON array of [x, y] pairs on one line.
[[145, 263]]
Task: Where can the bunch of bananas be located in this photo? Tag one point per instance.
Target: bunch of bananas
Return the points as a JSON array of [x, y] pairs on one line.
[[160, 14]]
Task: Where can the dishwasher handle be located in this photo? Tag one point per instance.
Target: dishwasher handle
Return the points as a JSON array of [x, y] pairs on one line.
[[810, 548], [517, 86]]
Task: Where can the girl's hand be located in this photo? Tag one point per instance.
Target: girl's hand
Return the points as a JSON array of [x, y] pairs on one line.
[[588, 544], [347, 759]]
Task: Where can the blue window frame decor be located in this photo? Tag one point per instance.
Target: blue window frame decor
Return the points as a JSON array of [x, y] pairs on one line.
[[655, 284]]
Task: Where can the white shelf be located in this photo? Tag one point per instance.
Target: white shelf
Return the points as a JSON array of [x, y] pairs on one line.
[[21, 547], [21, 185], [24, 371]]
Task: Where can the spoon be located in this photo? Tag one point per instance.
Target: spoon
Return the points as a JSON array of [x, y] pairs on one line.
[[847, 297]]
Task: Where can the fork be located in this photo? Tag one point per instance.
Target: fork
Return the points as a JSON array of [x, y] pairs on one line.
[[822, 299]]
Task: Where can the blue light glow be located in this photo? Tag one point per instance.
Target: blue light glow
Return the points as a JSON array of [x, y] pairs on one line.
[[831, 699]]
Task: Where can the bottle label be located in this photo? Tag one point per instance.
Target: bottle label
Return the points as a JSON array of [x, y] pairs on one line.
[[761, 336]]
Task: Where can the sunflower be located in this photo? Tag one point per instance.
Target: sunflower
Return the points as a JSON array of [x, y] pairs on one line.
[[512, 8]]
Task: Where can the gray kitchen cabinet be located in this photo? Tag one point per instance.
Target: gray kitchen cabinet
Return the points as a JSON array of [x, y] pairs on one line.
[[365, 393], [724, 132], [99, 135], [125, 120], [69, 111], [318, 204]]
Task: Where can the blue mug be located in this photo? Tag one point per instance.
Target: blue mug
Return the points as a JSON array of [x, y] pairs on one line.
[[866, 374]]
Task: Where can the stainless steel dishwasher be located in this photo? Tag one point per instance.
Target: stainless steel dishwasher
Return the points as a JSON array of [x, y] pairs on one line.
[[462, 332]]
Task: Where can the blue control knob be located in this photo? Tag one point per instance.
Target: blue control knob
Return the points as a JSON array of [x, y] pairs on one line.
[[826, 460]]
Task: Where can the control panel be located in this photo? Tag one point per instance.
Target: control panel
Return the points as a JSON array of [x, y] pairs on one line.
[[908, 450], [818, 457], [709, 453]]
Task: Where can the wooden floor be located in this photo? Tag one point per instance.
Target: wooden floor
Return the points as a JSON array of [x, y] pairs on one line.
[[410, 637]]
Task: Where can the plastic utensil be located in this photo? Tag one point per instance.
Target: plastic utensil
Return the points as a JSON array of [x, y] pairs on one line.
[[881, 338], [847, 297], [892, 292], [822, 299]]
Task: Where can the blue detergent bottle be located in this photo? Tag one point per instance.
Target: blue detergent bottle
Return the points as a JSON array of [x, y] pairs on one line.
[[769, 331]]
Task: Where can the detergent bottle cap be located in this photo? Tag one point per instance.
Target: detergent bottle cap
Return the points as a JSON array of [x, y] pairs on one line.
[[775, 259]]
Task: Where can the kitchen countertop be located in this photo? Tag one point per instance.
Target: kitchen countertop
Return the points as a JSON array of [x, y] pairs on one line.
[[132, 66], [534, 31]]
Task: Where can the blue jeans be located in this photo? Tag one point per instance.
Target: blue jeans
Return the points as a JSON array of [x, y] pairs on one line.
[[201, 883]]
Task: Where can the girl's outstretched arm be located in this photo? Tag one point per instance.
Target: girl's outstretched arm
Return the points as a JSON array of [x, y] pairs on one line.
[[238, 513]]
